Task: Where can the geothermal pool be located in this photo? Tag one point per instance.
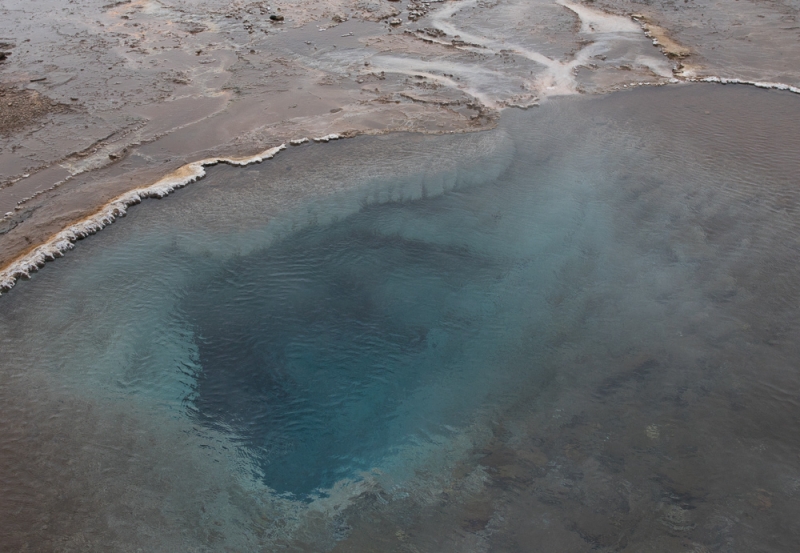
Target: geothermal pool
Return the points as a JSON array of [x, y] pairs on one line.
[[576, 331]]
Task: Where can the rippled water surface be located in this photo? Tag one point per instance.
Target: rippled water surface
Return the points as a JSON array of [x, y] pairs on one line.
[[575, 332]]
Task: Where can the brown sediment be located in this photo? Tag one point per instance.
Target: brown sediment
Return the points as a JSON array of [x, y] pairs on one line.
[[661, 37], [20, 109]]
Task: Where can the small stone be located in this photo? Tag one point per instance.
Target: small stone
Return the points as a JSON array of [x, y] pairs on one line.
[[276, 17], [395, 22]]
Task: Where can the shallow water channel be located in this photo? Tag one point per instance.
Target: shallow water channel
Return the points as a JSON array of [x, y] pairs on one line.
[[575, 332]]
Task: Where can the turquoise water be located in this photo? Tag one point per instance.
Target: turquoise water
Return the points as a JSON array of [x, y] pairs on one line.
[[312, 349], [573, 331]]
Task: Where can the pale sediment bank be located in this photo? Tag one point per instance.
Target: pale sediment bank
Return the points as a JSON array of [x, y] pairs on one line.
[[231, 80], [65, 240]]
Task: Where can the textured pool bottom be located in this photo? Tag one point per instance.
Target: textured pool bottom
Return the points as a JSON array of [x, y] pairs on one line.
[[571, 332]]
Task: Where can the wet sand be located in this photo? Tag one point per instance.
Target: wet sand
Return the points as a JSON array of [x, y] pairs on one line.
[[100, 98]]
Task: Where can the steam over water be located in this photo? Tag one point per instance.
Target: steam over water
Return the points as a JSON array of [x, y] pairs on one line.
[[576, 331]]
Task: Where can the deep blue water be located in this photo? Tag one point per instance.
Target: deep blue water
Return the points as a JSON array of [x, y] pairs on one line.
[[309, 347]]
